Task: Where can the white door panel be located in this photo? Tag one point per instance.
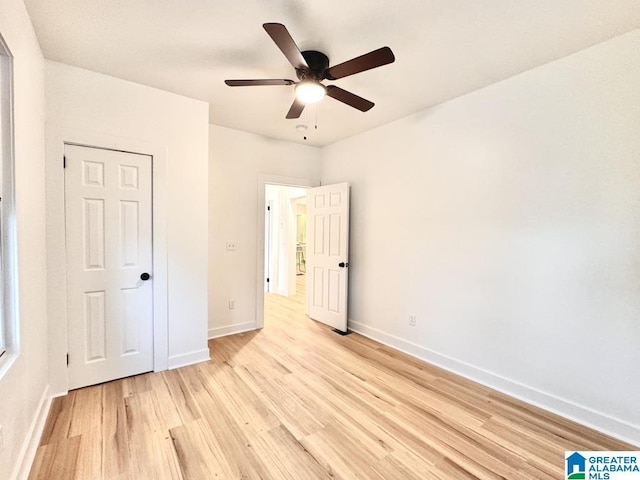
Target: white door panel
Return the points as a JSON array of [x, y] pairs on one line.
[[328, 254], [109, 245]]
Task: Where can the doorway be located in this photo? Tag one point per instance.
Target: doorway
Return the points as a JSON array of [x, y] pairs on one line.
[[326, 256], [285, 245]]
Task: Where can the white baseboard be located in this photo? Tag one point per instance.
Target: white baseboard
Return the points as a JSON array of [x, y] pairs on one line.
[[190, 358], [30, 445], [231, 329], [578, 413]]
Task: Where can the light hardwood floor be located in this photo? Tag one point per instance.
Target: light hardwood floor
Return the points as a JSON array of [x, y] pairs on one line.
[[297, 401]]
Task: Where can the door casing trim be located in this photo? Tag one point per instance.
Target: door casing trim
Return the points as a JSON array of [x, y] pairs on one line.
[[57, 137]]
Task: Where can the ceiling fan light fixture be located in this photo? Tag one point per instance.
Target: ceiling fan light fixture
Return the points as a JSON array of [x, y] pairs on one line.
[[310, 91], [312, 67]]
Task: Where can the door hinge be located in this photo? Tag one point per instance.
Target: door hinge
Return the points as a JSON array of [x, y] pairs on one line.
[[268, 208], [67, 359], [64, 161], [267, 279]]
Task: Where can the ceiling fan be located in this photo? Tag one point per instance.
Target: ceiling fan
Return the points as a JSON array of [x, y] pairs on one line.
[[312, 67]]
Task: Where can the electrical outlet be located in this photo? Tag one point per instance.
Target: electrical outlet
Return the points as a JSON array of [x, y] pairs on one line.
[[231, 246], [232, 304], [412, 320]]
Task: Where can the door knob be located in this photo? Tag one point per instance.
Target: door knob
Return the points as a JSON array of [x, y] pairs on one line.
[[145, 276], [342, 264]]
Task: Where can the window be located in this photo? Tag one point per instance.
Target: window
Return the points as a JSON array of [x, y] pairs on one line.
[[8, 337]]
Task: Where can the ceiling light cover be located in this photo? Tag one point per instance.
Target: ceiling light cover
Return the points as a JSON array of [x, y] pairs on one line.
[[310, 92]]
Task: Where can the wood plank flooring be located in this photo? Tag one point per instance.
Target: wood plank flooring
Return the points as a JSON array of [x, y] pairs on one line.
[[297, 401]]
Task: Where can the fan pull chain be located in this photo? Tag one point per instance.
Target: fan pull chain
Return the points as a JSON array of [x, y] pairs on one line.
[[304, 126], [316, 125]]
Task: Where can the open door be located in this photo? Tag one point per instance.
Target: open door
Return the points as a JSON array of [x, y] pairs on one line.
[[328, 254]]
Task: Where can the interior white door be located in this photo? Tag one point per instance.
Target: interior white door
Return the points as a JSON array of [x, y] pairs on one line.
[[109, 251], [328, 254]]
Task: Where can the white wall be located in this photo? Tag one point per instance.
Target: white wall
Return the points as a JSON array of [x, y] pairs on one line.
[[88, 105], [508, 221], [238, 162], [23, 388]]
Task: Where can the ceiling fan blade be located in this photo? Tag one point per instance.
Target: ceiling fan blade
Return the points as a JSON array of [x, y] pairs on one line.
[[296, 109], [377, 58], [280, 35], [349, 98], [252, 83]]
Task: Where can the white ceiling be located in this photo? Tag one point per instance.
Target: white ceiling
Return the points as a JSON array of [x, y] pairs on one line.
[[443, 49]]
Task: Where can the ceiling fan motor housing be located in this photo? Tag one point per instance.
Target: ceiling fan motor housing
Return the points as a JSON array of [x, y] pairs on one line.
[[318, 62]]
